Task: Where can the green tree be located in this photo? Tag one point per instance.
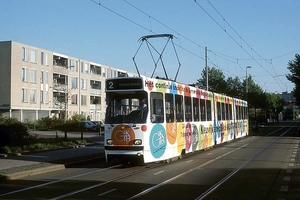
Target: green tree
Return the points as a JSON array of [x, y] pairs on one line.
[[274, 105], [294, 67], [234, 87], [216, 80], [256, 96]]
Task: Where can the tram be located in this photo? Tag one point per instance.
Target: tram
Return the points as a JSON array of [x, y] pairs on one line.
[[158, 120]]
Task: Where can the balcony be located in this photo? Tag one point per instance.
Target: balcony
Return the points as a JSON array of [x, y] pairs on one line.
[[60, 82], [95, 70], [59, 100], [95, 103], [95, 92], [95, 88], [95, 107], [60, 61]]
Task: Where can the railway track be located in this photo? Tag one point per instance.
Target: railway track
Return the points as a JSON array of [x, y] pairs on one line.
[[221, 164]]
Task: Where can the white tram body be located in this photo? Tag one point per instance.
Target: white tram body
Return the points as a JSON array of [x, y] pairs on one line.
[[179, 119]]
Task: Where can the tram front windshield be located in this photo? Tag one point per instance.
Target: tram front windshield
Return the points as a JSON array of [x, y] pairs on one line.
[[126, 107]]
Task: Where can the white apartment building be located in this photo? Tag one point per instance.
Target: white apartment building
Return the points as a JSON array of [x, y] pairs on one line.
[[37, 83]]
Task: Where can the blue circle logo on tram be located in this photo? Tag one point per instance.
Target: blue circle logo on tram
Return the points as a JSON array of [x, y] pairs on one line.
[[158, 141]]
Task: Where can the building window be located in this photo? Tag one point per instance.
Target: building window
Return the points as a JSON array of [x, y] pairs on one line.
[[24, 95], [81, 67], [103, 72], [33, 56], [74, 82], [46, 97], [83, 83], [46, 59], [74, 99], [42, 77], [83, 100], [24, 54], [76, 66], [86, 68], [24, 75], [46, 77], [33, 76], [33, 96], [42, 96], [71, 65], [42, 58]]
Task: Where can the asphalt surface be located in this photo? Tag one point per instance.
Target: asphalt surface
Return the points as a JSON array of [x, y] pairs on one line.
[[15, 166], [28, 164]]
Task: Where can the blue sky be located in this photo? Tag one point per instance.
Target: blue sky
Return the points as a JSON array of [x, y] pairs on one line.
[[261, 34]]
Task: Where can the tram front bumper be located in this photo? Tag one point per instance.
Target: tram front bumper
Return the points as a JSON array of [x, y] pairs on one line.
[[123, 152]]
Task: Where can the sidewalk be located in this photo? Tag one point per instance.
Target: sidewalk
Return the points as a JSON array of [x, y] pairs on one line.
[[28, 164]]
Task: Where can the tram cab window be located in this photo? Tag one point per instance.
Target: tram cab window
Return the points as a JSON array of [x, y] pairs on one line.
[[196, 107], [179, 108], [156, 107], [188, 108], [169, 105], [123, 108]]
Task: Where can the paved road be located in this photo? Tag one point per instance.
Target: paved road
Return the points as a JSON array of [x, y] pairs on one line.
[[254, 167]]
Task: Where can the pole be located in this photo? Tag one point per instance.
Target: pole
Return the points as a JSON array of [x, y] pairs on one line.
[[247, 82], [66, 102], [206, 68], [247, 92]]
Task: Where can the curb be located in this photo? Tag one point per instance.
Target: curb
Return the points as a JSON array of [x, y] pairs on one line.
[[21, 174]]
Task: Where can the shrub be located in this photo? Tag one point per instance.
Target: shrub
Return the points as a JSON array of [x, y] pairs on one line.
[[6, 149], [49, 123], [12, 132]]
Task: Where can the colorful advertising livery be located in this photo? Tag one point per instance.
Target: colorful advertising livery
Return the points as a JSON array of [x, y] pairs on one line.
[[157, 120]]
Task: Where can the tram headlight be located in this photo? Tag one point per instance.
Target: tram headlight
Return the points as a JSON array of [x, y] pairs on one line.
[[109, 141], [138, 142]]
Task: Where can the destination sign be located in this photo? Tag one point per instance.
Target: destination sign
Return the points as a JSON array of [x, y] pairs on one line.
[[124, 84]]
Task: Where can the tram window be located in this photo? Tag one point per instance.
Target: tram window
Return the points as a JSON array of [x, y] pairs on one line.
[[156, 107], [229, 114], [196, 107], [238, 113], [188, 108], [208, 108], [223, 111], [219, 111], [242, 112], [202, 110], [179, 108], [169, 107]]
